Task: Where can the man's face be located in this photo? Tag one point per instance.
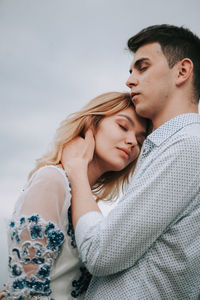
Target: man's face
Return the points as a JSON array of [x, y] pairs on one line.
[[151, 81]]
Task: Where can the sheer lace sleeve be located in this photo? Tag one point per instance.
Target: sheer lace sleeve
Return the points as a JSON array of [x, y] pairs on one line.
[[36, 235]]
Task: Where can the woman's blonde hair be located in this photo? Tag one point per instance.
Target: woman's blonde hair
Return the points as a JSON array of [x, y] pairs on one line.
[[108, 186]]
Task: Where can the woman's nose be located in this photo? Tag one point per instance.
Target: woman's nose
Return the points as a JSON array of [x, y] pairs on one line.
[[131, 140]]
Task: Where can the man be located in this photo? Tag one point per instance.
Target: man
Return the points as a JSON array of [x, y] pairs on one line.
[[149, 245]]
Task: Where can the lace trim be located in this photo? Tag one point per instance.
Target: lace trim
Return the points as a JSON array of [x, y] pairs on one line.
[[22, 254], [70, 230], [80, 285]]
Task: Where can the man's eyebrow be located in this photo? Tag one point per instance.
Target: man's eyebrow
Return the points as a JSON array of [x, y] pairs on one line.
[[138, 63]]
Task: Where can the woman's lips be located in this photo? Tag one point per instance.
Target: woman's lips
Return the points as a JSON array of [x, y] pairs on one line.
[[126, 152]]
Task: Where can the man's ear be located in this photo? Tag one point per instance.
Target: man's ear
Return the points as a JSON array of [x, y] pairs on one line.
[[184, 71]]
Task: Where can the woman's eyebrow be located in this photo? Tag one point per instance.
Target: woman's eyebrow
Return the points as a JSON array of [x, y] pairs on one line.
[[142, 133], [127, 117]]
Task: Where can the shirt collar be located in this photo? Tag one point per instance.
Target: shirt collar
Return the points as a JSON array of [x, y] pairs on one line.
[[169, 128]]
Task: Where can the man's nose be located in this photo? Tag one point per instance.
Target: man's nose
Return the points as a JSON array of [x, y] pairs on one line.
[[132, 81]]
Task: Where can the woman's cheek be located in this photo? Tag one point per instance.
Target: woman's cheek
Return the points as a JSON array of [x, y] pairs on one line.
[[136, 153]]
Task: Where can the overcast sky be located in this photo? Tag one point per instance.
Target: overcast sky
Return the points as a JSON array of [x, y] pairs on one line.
[[55, 55]]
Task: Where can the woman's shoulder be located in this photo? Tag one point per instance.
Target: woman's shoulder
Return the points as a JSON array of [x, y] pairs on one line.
[[46, 193], [50, 174]]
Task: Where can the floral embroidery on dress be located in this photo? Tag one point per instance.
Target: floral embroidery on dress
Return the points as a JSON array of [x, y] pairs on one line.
[[82, 283], [33, 252], [70, 230]]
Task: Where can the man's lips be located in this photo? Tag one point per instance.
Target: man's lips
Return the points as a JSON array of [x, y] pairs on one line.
[[134, 94]]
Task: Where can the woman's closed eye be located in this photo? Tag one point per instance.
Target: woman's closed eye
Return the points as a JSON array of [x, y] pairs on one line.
[[123, 127]]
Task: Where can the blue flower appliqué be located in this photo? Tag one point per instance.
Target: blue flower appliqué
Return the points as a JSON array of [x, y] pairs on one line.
[[43, 256]]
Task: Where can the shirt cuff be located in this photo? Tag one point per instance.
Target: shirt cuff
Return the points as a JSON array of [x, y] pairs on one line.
[[84, 225]]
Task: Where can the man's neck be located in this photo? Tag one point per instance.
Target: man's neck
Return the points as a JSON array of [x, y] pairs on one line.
[[173, 111]]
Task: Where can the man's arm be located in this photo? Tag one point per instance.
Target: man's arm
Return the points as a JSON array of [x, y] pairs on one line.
[[82, 197], [112, 244]]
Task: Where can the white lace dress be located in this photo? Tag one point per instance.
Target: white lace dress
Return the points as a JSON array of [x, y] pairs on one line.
[[43, 259]]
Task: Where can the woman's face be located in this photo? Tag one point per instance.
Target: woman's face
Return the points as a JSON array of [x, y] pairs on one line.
[[118, 139]]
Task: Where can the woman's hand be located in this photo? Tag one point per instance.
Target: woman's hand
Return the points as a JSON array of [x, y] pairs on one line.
[[78, 153], [76, 156]]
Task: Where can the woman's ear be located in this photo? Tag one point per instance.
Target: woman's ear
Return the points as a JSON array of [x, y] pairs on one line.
[[184, 71]]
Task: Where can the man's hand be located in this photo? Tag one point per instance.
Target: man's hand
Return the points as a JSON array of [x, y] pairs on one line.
[[78, 153]]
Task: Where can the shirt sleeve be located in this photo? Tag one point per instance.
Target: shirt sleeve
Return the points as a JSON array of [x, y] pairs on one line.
[[36, 235], [166, 187]]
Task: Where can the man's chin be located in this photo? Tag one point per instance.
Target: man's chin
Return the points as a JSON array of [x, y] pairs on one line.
[[140, 111]]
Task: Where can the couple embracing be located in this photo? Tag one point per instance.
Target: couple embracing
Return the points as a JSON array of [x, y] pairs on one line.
[[147, 144]]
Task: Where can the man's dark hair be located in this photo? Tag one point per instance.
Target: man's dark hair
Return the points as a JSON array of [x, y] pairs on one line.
[[177, 43]]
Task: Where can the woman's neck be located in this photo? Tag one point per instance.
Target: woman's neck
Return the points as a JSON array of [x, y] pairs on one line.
[[94, 172]]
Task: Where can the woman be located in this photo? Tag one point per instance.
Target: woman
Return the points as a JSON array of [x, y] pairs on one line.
[[43, 260]]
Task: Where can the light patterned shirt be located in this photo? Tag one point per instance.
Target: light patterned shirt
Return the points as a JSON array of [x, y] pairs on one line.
[[148, 247]]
